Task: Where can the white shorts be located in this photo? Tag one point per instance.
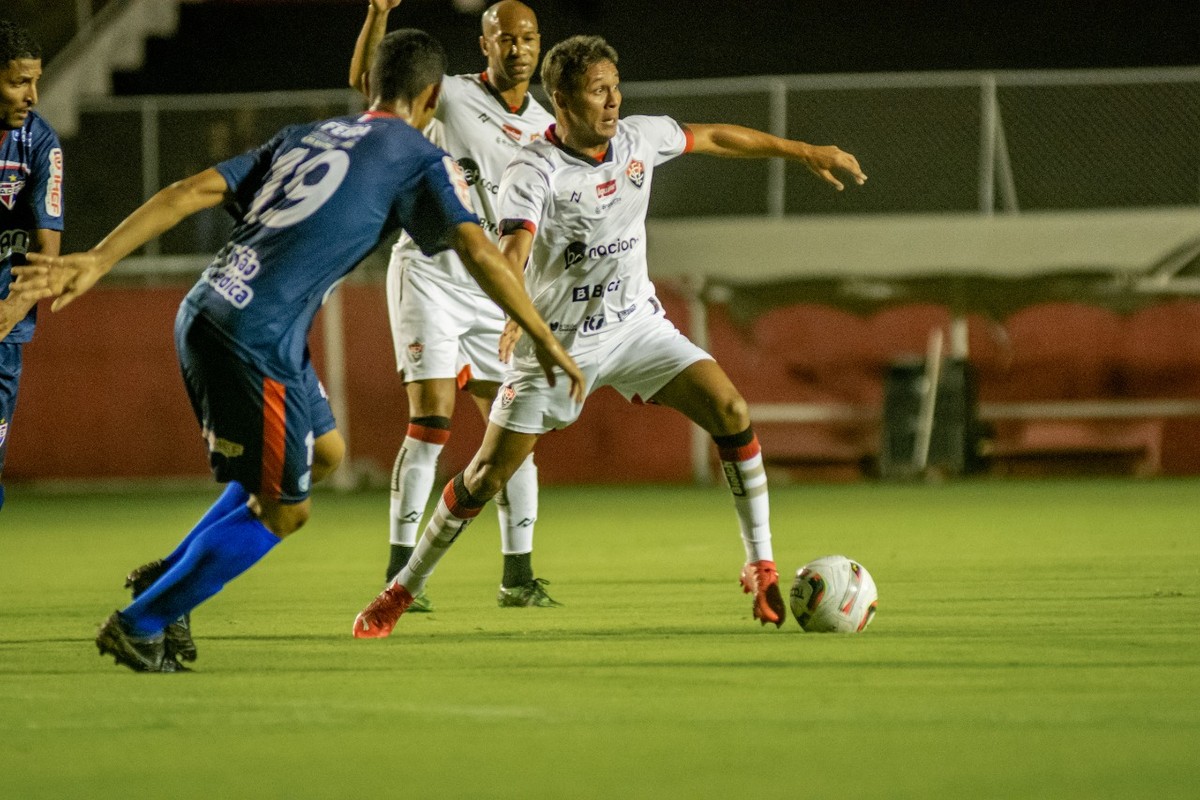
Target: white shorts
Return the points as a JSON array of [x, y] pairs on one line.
[[442, 329], [637, 359]]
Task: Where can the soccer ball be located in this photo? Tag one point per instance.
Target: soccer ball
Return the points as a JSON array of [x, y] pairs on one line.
[[834, 595]]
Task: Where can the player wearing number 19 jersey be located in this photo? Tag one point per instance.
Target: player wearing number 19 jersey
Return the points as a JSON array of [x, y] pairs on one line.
[[314, 201], [446, 331], [573, 209]]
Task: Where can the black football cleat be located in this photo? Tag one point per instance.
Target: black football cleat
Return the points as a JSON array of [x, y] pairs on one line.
[[179, 642]]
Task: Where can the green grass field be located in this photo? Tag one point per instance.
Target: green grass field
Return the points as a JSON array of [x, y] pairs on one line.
[[1034, 639]]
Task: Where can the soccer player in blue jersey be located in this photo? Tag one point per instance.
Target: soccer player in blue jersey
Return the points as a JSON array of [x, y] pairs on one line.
[[31, 204], [313, 201]]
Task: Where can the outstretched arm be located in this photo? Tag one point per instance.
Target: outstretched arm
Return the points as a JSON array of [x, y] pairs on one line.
[[372, 32], [735, 141], [498, 277], [71, 275]]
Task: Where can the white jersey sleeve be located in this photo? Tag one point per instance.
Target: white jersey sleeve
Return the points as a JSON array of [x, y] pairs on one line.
[[667, 136], [524, 191]]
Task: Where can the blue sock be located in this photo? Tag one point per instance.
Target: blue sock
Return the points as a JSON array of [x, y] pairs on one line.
[[216, 555], [235, 495]]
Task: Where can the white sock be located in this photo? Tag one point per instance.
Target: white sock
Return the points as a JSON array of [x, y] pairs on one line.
[[743, 468], [412, 480], [517, 507], [448, 520]]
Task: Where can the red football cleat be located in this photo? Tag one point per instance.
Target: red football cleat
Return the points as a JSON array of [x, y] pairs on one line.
[[761, 579], [380, 616]]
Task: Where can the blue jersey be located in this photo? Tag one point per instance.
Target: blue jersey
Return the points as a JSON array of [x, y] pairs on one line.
[[313, 202], [31, 198]]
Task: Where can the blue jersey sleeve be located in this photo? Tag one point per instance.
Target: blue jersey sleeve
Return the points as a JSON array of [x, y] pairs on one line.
[[46, 181], [442, 202], [245, 173]]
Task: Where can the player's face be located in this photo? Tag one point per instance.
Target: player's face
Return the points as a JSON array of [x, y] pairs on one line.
[[18, 90], [512, 45], [591, 111]]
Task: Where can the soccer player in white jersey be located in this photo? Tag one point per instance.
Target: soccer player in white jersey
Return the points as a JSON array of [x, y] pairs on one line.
[[573, 209], [446, 331]]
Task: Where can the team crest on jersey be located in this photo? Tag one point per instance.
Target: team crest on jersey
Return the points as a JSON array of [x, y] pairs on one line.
[[507, 395], [416, 350], [636, 171], [12, 181], [54, 185], [606, 189]]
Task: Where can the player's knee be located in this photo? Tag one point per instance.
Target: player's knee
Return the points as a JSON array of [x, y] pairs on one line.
[[328, 453], [284, 519], [485, 480], [731, 414]]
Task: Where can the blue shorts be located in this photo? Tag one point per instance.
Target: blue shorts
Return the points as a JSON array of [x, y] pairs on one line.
[[260, 430], [10, 376]]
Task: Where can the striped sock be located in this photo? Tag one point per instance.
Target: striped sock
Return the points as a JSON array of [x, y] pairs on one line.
[[412, 476], [741, 461], [455, 511]]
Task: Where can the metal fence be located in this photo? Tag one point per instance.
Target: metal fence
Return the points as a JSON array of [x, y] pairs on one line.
[[930, 142]]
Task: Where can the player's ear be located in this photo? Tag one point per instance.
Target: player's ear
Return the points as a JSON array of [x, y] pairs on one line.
[[483, 46], [434, 96]]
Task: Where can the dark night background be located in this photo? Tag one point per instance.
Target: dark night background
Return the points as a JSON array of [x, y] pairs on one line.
[[255, 46]]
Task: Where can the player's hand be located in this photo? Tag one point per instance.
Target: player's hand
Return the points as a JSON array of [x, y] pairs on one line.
[[384, 6], [823, 161], [508, 340], [66, 276], [553, 355], [30, 284]]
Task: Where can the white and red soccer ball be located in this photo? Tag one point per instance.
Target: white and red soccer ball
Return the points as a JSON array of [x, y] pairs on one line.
[[834, 594]]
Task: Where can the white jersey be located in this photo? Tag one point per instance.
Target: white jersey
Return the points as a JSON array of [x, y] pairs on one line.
[[475, 125], [587, 271]]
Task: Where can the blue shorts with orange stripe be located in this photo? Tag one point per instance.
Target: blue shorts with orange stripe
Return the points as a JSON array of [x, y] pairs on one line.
[[260, 429]]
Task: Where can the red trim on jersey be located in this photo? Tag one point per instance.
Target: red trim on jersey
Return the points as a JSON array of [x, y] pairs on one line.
[[379, 114], [455, 508], [554, 140], [430, 435], [274, 439], [689, 137], [491, 87], [463, 377], [743, 453], [512, 225]]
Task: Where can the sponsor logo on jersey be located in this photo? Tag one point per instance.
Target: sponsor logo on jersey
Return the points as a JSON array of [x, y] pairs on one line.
[[3, 431], [576, 197], [612, 248], [513, 132], [54, 185], [462, 189], [12, 181], [636, 172], [507, 395], [584, 293], [562, 327], [592, 324], [606, 189], [475, 177], [575, 254], [416, 350], [16, 241]]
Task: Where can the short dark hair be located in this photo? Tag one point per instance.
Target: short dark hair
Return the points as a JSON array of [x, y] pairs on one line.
[[406, 61], [16, 42], [568, 61]]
